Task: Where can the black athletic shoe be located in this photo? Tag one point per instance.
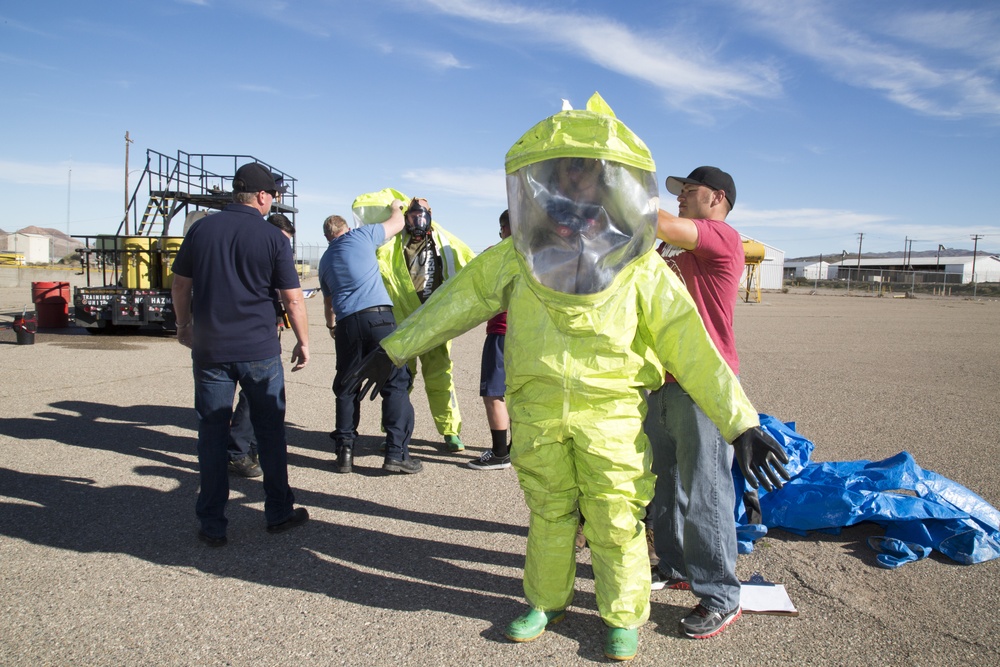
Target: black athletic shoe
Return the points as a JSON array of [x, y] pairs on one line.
[[702, 623], [212, 541], [661, 581], [245, 467], [298, 517], [408, 466], [490, 461]]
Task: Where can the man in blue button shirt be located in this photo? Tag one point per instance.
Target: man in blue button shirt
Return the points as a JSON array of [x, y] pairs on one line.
[[353, 291]]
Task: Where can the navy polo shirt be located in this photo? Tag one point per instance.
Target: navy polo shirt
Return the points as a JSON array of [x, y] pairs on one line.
[[237, 261]]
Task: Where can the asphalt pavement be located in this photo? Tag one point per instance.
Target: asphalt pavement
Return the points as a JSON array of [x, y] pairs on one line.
[[99, 564]]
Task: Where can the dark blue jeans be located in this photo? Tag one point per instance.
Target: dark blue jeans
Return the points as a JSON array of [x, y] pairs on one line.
[[356, 336], [263, 384], [241, 439]]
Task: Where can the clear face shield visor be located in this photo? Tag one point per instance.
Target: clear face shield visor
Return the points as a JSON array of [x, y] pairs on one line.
[[579, 221]]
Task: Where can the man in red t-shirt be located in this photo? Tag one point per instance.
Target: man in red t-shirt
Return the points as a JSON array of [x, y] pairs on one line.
[[692, 510], [492, 382]]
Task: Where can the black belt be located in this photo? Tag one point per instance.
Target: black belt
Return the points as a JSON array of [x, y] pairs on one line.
[[375, 309]]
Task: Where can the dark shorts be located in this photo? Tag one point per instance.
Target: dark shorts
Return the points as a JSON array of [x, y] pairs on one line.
[[492, 379]]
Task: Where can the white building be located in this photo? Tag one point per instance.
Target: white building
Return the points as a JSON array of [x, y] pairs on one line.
[[954, 269], [810, 270], [34, 247]]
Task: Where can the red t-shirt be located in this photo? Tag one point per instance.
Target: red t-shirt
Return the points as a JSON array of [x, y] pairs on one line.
[[497, 324], [712, 273]]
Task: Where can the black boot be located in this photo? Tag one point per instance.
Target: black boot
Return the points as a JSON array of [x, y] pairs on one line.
[[345, 457]]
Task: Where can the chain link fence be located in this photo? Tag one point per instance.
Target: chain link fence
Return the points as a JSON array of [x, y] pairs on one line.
[[307, 258], [886, 282]]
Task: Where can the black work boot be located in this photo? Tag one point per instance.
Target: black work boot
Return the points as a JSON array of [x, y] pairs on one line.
[[345, 457]]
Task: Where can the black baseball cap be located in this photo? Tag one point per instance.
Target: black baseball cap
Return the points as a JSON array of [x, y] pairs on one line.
[[254, 177], [711, 177]]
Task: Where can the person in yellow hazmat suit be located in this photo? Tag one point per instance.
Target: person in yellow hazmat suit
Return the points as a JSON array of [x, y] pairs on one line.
[[595, 319], [414, 265]]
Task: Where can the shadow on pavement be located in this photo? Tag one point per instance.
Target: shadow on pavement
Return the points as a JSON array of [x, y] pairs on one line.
[[371, 566]]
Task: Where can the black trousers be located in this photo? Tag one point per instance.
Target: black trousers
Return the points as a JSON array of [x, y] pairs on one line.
[[356, 336]]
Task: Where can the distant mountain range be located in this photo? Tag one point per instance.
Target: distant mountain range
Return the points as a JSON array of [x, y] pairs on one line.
[[63, 245], [837, 256]]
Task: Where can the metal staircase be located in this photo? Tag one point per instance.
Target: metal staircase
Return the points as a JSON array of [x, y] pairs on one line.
[[187, 184]]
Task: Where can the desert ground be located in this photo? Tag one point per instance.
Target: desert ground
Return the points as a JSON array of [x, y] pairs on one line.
[[99, 564]]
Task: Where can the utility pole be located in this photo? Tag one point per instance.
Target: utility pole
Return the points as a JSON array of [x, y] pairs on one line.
[[937, 268], [906, 245], [127, 142], [975, 246], [69, 190], [861, 237], [843, 259]]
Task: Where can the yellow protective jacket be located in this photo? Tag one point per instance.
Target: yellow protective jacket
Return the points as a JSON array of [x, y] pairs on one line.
[[598, 348], [396, 276]]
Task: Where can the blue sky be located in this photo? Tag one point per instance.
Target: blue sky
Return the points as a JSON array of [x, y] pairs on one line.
[[835, 118]]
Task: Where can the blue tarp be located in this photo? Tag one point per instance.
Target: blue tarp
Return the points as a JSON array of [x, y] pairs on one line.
[[920, 510]]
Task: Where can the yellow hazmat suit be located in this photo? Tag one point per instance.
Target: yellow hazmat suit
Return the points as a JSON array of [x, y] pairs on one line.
[[576, 368], [594, 318], [435, 363]]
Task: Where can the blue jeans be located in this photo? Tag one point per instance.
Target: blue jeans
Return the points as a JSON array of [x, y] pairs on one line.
[[241, 439], [357, 335], [263, 383], [692, 510]]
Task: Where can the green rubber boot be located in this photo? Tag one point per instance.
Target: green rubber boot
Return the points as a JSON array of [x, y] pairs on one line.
[[621, 643], [454, 443], [531, 625]]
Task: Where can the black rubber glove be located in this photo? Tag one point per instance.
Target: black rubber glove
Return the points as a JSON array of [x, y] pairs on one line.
[[760, 458], [751, 503], [371, 373]]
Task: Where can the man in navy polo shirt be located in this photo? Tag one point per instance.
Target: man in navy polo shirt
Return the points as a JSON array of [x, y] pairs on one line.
[[228, 272]]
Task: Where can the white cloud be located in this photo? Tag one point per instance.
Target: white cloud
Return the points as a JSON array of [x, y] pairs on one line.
[[85, 176], [968, 32], [854, 52], [8, 22], [488, 186], [255, 88], [808, 228], [673, 63], [808, 218], [438, 60], [442, 60], [21, 62]]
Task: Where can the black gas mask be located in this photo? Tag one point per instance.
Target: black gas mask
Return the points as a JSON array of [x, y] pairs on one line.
[[575, 219], [418, 220]]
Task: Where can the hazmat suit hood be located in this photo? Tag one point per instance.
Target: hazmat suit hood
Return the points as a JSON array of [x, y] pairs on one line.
[[373, 208], [583, 197]]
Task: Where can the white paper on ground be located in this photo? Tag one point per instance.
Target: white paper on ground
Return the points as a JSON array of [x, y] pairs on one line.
[[760, 597]]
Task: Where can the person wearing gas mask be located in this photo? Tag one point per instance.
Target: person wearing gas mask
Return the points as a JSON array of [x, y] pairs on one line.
[[413, 265], [595, 319]]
